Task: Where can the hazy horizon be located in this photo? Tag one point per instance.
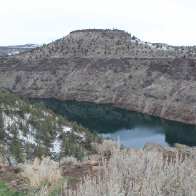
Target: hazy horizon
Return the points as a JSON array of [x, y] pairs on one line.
[[41, 22]]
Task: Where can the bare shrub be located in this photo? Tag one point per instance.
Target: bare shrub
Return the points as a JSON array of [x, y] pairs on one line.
[[108, 146], [41, 171], [136, 172], [68, 160]]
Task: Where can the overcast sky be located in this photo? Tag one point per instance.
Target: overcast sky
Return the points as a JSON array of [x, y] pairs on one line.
[[43, 21]]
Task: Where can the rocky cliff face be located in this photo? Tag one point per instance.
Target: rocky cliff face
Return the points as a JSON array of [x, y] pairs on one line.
[[164, 87]]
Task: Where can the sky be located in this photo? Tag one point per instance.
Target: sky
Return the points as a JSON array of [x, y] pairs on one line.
[[43, 21]]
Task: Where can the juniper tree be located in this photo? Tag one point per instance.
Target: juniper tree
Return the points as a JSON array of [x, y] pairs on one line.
[[1, 125]]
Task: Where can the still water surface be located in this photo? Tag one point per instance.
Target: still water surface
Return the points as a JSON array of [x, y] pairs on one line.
[[132, 128]]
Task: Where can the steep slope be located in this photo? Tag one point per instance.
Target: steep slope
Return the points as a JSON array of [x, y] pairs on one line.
[[30, 130], [98, 66], [160, 87]]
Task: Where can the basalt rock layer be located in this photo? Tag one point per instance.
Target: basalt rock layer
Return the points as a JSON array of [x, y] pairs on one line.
[[164, 87], [108, 66]]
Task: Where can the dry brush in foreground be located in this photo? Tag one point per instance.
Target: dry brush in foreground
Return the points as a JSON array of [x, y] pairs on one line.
[[139, 172], [42, 171]]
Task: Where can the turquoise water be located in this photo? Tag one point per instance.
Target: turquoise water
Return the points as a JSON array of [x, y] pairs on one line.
[[132, 128]]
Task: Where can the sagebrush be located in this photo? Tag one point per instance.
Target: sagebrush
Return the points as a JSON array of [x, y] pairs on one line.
[[41, 171], [137, 172]]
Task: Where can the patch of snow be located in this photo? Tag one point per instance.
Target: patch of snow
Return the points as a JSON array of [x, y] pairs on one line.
[[164, 48], [46, 113], [66, 129], [151, 45], [7, 120], [56, 146], [69, 129], [30, 46], [27, 116], [14, 52], [31, 129], [81, 135], [28, 138]]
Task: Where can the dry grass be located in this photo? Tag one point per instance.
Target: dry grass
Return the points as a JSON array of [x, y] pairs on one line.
[[139, 173], [107, 147], [125, 172], [41, 171], [68, 160]]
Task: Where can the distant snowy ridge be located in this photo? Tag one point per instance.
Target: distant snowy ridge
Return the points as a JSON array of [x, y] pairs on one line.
[[12, 50]]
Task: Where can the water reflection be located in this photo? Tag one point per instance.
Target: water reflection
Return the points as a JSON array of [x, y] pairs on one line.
[[133, 129], [138, 136]]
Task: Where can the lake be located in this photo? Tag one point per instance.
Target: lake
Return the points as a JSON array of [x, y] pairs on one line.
[[132, 128]]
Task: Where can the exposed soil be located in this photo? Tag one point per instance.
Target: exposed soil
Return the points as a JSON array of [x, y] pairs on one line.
[[11, 175], [77, 173]]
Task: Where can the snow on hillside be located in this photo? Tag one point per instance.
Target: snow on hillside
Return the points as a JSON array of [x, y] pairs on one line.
[[30, 130]]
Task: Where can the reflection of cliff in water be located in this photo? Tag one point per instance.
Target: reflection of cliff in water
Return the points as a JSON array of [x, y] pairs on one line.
[[180, 133], [107, 119]]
